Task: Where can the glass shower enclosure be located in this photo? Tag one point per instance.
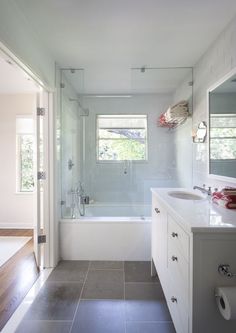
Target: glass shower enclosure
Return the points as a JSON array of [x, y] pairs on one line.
[[112, 147]]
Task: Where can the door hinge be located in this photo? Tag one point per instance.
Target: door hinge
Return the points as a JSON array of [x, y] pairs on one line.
[[41, 175], [41, 239], [40, 111]]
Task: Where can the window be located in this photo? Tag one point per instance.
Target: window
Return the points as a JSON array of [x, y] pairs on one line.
[[122, 137], [24, 154], [223, 136]]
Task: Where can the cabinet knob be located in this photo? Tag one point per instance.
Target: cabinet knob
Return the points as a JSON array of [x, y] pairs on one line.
[[174, 258], [174, 234], [173, 299], [157, 210]]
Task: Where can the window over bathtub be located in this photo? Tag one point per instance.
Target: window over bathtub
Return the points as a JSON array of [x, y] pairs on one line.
[[121, 137], [24, 154]]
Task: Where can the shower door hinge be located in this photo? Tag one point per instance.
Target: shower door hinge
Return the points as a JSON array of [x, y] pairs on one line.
[[41, 239], [41, 175], [62, 85], [40, 111]]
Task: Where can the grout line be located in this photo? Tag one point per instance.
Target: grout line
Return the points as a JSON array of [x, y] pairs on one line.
[[80, 297], [68, 282], [106, 269], [103, 299], [48, 320], [151, 321], [141, 282]]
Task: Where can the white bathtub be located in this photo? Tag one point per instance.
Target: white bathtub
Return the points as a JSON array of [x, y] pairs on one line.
[[114, 209], [106, 238]]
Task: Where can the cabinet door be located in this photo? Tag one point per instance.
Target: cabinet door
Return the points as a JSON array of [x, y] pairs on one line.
[[159, 238]]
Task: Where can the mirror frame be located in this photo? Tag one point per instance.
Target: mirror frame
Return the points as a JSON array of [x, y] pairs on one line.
[[209, 90]]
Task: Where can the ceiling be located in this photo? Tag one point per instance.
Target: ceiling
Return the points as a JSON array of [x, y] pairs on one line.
[[14, 80], [109, 37]]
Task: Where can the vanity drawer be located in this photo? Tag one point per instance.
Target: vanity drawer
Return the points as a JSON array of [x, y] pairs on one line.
[[178, 237], [178, 269], [178, 309]]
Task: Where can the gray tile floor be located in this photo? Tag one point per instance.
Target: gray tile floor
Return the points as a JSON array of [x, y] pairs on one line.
[[99, 297]]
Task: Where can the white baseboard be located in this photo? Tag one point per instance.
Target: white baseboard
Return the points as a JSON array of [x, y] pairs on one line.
[[16, 226]]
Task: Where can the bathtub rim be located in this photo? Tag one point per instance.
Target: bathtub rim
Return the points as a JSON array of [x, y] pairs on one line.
[[107, 219]]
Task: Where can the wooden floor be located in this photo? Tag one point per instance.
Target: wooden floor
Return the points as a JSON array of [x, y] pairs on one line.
[[17, 275]]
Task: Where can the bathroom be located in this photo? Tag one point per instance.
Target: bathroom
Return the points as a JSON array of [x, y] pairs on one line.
[[127, 68]]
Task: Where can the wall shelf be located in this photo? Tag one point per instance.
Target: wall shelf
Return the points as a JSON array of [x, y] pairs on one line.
[[175, 116]]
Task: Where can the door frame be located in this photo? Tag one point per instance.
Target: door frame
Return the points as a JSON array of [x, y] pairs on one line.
[[50, 249]]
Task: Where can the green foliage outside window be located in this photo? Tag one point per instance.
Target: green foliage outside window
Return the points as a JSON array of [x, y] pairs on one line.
[[26, 163], [223, 137], [122, 137]]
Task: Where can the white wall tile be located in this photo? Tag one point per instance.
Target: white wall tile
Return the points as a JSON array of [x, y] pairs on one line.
[[219, 59]]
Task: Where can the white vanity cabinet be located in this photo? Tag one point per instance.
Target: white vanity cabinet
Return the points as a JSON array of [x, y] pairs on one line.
[[159, 237], [186, 259]]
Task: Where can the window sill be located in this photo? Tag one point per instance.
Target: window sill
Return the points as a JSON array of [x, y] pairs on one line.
[[25, 193]]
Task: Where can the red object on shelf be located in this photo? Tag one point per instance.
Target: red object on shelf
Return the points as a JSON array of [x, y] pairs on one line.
[[163, 123], [225, 198]]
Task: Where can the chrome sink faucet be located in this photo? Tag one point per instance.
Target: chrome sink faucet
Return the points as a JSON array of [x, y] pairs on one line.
[[203, 189]]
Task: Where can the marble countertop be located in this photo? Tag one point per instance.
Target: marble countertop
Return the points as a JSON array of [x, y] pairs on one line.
[[197, 215]]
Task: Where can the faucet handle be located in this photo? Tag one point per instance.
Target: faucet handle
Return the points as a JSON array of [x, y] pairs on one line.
[[204, 185], [209, 192]]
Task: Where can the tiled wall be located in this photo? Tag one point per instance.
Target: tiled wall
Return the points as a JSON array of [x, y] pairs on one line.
[[106, 182], [219, 59]]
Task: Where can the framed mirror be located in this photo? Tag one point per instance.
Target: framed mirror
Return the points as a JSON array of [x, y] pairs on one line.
[[222, 128]]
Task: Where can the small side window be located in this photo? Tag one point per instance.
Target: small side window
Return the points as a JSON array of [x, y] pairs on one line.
[[24, 154]]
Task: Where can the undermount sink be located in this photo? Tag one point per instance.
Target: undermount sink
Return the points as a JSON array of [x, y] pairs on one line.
[[185, 195]]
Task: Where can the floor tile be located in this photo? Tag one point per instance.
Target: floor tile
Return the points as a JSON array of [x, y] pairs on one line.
[[101, 316], [143, 291], [136, 327], [104, 284], [107, 265], [147, 310], [56, 301], [138, 271], [70, 271], [39, 326]]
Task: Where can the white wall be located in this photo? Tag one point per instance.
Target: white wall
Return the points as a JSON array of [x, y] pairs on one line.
[[107, 182], [16, 210], [219, 59]]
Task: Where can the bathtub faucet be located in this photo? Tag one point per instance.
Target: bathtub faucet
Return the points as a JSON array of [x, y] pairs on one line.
[[80, 189]]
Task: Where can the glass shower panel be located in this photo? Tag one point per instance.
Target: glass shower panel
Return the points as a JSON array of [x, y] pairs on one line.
[[71, 90], [170, 150], [114, 150]]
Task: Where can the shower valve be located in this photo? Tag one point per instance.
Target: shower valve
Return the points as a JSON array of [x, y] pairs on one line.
[[84, 200]]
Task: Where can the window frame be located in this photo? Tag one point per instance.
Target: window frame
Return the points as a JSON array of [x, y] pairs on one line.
[[144, 161], [212, 138], [18, 157]]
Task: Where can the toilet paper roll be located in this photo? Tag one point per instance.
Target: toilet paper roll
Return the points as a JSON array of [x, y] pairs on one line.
[[226, 301]]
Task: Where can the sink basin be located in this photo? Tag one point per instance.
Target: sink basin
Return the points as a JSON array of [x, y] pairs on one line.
[[185, 195]]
